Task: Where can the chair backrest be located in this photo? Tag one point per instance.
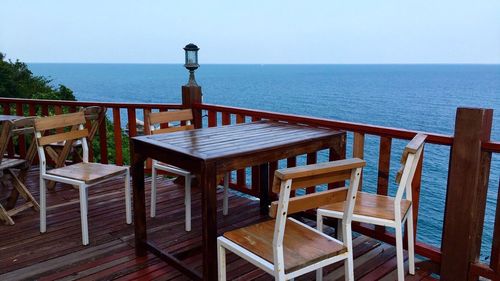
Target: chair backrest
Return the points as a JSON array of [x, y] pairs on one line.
[[5, 137], [47, 131], [289, 179], [14, 129], [172, 121], [409, 162], [95, 118]]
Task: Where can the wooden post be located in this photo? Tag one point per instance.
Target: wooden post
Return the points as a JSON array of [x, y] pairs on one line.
[[495, 245], [191, 94], [466, 193]]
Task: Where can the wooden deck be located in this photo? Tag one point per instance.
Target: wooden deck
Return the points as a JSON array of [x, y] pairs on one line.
[[25, 254]]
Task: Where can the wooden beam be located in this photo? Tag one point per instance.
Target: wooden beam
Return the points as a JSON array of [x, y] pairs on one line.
[[192, 95], [495, 247], [466, 194]]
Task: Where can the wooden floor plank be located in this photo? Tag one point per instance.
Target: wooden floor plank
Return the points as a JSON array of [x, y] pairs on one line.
[[59, 255]]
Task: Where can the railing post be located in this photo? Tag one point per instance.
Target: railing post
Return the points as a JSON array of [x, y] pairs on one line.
[[466, 193], [191, 94]]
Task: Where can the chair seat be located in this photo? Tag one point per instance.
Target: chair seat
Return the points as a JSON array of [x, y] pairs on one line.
[[8, 163], [372, 205], [302, 246], [88, 172]]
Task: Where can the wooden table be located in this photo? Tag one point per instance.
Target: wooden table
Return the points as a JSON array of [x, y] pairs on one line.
[[209, 152]]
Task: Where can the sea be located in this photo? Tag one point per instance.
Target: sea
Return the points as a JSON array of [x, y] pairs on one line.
[[415, 97]]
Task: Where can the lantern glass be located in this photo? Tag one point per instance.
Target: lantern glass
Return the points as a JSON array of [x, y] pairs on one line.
[[191, 57]]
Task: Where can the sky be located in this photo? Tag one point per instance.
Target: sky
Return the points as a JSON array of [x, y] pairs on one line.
[[256, 32]]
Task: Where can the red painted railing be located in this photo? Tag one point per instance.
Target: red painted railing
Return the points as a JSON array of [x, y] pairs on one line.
[[117, 113], [217, 115], [224, 115]]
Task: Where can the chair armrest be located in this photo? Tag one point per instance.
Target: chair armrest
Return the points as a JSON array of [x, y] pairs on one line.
[[320, 168]]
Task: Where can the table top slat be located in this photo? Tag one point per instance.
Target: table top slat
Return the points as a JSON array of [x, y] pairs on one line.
[[257, 141], [208, 139], [238, 139]]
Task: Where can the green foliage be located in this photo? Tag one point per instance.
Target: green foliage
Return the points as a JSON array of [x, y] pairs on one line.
[[110, 139], [17, 81]]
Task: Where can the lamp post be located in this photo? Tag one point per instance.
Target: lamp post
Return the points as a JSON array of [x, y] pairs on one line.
[[191, 62], [191, 92]]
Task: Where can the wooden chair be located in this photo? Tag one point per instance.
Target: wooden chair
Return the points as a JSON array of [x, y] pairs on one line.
[[59, 151], [184, 118], [388, 211], [287, 248], [11, 130], [83, 175]]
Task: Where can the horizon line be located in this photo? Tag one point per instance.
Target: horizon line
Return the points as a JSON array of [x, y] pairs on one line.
[[381, 63]]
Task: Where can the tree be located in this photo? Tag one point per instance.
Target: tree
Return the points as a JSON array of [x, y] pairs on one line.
[[17, 81]]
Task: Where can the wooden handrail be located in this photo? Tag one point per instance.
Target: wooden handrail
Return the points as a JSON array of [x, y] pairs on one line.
[[91, 103], [44, 107], [231, 115], [491, 146], [225, 115], [334, 124]]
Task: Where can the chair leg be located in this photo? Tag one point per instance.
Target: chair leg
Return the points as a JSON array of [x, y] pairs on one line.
[[18, 184], [338, 230], [187, 202], [224, 201], [319, 226], [399, 251], [128, 201], [43, 205], [349, 262], [411, 242], [319, 274], [221, 264], [4, 215], [152, 212], [83, 214], [319, 222]]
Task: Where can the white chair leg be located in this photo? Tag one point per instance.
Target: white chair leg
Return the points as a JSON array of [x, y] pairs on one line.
[[399, 251], [338, 230], [221, 264], [128, 201], [319, 226], [349, 262], [411, 242], [225, 199], [319, 274], [152, 212], [187, 202], [319, 222], [83, 214], [43, 206]]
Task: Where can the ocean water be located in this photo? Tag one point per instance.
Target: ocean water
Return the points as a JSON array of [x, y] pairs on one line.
[[416, 97]]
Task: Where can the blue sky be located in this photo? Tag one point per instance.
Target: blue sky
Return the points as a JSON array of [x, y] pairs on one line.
[[383, 31]]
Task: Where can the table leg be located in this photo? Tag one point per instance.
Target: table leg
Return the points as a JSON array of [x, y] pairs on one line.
[[208, 184], [137, 169], [264, 188]]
